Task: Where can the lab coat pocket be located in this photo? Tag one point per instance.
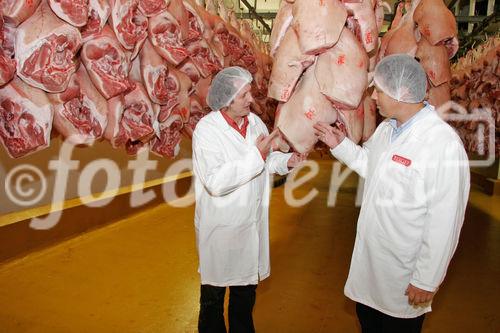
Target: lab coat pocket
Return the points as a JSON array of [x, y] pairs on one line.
[[394, 186]]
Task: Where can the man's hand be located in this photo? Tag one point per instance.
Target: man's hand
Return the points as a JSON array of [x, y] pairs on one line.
[[331, 136], [417, 296], [296, 159], [266, 143]]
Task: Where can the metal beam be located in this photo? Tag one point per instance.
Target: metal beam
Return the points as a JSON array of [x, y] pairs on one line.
[[479, 29], [471, 19], [256, 16], [387, 17], [452, 3], [264, 15]]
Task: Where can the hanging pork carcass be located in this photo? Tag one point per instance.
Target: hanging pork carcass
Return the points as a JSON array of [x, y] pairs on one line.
[[25, 118]]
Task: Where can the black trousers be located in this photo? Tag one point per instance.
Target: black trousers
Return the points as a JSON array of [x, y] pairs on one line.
[[373, 321], [241, 302]]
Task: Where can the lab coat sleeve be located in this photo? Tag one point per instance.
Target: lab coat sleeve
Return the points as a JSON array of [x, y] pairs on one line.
[[354, 156], [218, 175], [277, 162], [447, 187]]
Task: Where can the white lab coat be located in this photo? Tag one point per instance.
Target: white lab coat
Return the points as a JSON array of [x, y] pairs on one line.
[[411, 216], [232, 186]]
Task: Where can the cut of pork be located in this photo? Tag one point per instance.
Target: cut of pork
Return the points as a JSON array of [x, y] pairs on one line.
[[45, 48], [25, 118], [80, 111], [107, 64], [75, 12]]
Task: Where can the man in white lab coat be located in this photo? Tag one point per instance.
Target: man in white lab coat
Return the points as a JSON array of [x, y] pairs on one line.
[[232, 160], [417, 184]]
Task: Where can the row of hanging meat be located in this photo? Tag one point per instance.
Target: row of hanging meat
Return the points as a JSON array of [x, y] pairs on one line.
[[135, 72], [325, 52], [475, 86]]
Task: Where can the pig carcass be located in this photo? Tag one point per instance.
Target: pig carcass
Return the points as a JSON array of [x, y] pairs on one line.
[[434, 60], [166, 34], [342, 71], [365, 23], [437, 24], [129, 24], [45, 48], [80, 111], [131, 120], [318, 24], [303, 110], [153, 7], [16, 12], [289, 64], [281, 24], [25, 118], [7, 63], [107, 64], [75, 12], [99, 11]]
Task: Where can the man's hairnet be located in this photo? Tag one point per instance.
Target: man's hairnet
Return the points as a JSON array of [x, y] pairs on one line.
[[401, 77], [226, 85]]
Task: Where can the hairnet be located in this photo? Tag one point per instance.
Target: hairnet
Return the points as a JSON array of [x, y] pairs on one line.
[[401, 77], [226, 85]]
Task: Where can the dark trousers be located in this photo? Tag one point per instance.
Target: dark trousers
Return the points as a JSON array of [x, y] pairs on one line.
[[241, 302], [373, 321]]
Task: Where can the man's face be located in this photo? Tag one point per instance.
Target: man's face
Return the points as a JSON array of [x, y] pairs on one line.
[[240, 106], [386, 105]]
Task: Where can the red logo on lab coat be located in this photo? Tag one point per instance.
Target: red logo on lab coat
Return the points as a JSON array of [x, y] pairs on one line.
[[401, 160]]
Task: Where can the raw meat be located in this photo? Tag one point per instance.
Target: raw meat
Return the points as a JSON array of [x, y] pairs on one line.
[[7, 63], [166, 35], [25, 118], [80, 111], [353, 121], [99, 11], [288, 67], [75, 12], [107, 64], [165, 84], [437, 23], [129, 24], [434, 59], [318, 24], [347, 59], [305, 108], [167, 143], [16, 12], [153, 7], [131, 119], [366, 23], [281, 24], [45, 47], [370, 113]]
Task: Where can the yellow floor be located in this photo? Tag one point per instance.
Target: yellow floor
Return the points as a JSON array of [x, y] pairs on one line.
[[139, 275]]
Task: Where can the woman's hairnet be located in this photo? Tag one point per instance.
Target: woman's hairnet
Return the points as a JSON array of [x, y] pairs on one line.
[[226, 85], [401, 77]]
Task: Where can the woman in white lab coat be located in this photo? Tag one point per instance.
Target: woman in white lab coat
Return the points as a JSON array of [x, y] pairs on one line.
[[232, 160], [416, 189]]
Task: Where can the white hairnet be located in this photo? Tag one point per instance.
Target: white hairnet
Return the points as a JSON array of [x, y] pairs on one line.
[[401, 77], [226, 85]]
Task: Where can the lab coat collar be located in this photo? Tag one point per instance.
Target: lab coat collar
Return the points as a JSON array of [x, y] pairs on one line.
[[393, 122], [396, 131], [226, 127]]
